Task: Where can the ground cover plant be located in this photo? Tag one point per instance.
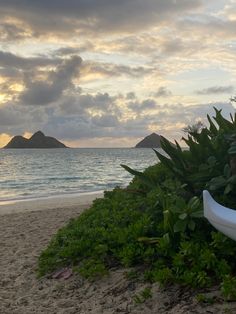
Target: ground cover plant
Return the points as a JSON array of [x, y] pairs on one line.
[[156, 223]]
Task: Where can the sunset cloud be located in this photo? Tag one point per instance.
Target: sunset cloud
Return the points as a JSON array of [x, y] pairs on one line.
[[40, 92], [162, 92], [91, 16], [4, 138], [216, 90], [81, 70]]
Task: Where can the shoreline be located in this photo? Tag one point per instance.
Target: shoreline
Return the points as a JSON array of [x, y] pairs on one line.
[[50, 202]]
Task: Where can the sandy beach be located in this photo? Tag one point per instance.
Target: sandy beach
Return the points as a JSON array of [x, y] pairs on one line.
[[27, 227]]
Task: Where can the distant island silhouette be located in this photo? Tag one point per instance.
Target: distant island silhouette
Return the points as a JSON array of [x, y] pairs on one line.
[[151, 141], [37, 140]]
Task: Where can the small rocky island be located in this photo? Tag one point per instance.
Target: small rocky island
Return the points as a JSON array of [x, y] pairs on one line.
[[151, 141], [37, 140]]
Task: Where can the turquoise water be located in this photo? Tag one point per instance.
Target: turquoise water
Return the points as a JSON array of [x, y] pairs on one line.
[[35, 173]]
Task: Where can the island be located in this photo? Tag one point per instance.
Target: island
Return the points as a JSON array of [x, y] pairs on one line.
[[37, 140], [151, 141]]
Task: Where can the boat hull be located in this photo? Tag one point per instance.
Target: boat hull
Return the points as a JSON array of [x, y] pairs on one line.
[[222, 218]]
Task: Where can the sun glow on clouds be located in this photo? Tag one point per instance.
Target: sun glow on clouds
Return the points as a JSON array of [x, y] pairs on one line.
[[27, 134], [16, 87], [4, 139], [2, 98], [152, 74], [105, 142]]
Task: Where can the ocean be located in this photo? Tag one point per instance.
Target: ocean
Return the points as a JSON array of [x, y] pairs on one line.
[[40, 173]]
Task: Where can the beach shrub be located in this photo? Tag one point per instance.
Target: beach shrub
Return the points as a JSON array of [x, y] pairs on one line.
[[210, 160], [157, 221], [106, 234]]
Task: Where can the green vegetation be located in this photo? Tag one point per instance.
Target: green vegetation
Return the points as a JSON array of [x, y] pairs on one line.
[[202, 298], [145, 294], [157, 222]]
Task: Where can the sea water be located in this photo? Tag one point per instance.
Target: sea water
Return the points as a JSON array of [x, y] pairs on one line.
[[37, 173]]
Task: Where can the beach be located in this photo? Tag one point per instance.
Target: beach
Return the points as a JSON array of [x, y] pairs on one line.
[[25, 230]]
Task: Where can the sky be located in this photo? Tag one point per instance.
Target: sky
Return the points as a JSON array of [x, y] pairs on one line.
[[106, 73]]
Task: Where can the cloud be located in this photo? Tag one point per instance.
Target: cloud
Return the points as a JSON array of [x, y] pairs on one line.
[[100, 116], [191, 114], [45, 92], [133, 51], [130, 95], [10, 73], [65, 51], [90, 127], [103, 16], [112, 70], [209, 25], [10, 60], [172, 46], [162, 92], [17, 71], [216, 90], [13, 32], [105, 121], [4, 139], [101, 103], [10, 116], [15, 119], [230, 10], [142, 106]]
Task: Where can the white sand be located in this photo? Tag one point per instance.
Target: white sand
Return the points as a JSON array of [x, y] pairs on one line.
[[26, 230]]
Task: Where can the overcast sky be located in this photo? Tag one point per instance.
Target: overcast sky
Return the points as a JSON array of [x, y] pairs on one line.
[[103, 73]]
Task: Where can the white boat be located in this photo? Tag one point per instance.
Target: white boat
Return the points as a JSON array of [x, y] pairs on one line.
[[222, 218]]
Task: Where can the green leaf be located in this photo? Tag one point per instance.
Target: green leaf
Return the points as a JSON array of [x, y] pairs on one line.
[[176, 209], [191, 144], [212, 161], [197, 214], [166, 161], [228, 188], [204, 167], [224, 125], [232, 150], [144, 178], [213, 128], [191, 225], [194, 202], [178, 146], [166, 220], [213, 187], [218, 182], [232, 179], [175, 153], [148, 240], [180, 226], [227, 171], [199, 177], [166, 237], [177, 171], [183, 216]]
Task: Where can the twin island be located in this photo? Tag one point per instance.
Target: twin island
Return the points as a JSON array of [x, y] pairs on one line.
[[39, 140]]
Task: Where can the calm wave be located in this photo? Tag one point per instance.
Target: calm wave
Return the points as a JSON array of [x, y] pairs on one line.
[[34, 173]]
